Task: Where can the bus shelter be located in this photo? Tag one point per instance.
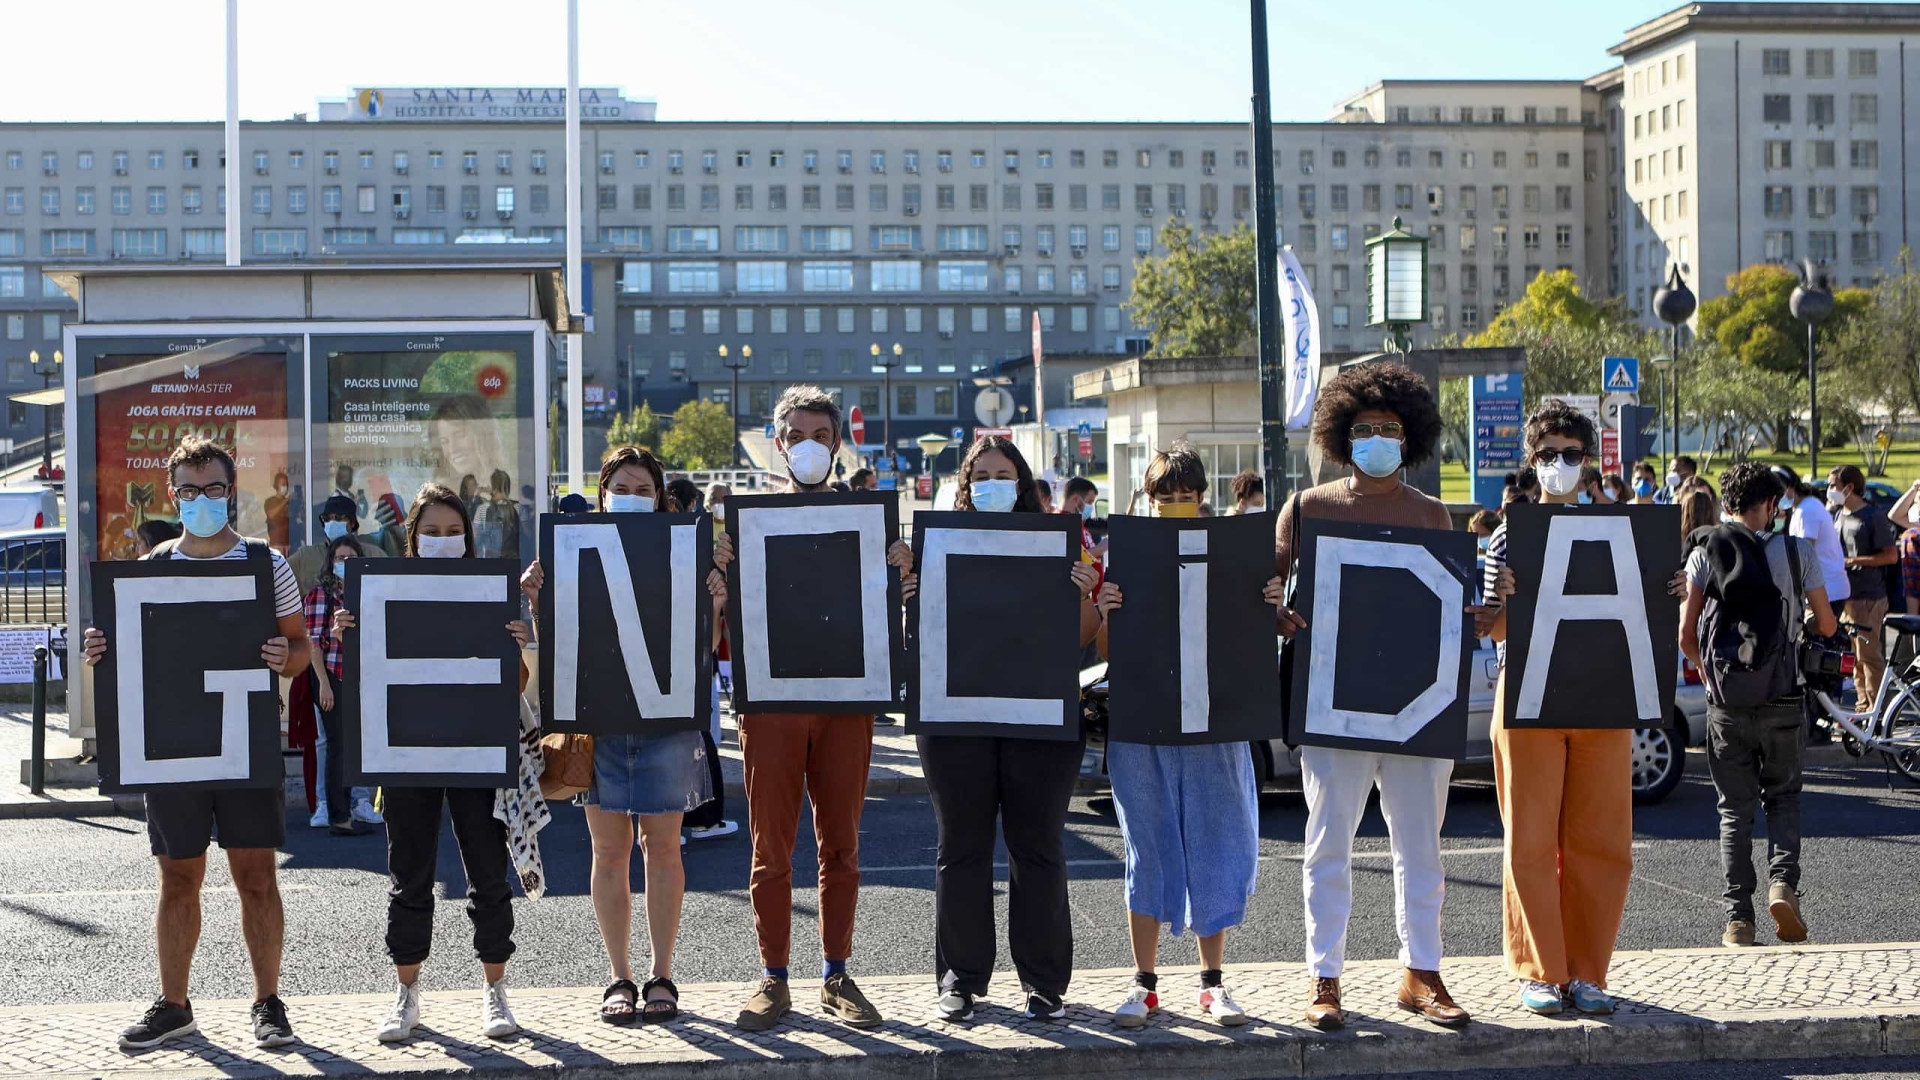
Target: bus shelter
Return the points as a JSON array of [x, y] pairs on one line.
[[321, 380]]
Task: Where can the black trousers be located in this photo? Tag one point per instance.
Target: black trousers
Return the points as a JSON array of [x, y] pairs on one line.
[[413, 849], [333, 784], [714, 810], [1753, 755], [1026, 785]]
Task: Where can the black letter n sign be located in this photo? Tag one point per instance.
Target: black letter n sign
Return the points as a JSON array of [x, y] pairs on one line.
[[1591, 619], [1382, 663], [431, 673], [183, 699], [1193, 654], [994, 630]]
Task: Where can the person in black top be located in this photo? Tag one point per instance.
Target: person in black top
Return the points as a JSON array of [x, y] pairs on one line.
[[1867, 540]]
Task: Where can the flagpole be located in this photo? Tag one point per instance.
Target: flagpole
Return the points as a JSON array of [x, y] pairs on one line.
[[1273, 432], [576, 393], [232, 173]]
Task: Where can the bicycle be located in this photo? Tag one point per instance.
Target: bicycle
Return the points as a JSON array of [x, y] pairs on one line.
[[1892, 727]]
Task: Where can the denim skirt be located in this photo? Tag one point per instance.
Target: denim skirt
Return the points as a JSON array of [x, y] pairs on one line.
[[649, 774]]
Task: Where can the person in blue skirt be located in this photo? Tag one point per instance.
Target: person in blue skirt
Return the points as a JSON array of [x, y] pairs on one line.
[[1189, 815]]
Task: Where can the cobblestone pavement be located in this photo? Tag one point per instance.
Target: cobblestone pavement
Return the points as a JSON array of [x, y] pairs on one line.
[[1678, 1005]]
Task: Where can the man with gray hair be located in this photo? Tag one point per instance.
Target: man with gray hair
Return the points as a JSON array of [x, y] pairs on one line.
[[793, 758]]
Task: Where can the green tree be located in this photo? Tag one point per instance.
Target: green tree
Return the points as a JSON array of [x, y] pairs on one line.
[[1754, 323], [1198, 298], [1732, 402], [1565, 335], [640, 427], [701, 436], [1876, 355]]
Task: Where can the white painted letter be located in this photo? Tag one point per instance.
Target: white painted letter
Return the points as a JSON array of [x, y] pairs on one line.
[[1626, 606], [1334, 553]]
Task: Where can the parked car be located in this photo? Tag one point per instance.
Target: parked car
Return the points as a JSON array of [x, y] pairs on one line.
[[29, 507], [1659, 754], [33, 577]]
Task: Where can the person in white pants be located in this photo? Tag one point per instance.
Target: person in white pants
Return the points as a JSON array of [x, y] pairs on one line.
[[1413, 799], [1376, 419]]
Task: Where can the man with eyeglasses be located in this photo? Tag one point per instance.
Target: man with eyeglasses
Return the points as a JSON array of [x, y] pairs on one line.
[[1375, 419], [250, 822]]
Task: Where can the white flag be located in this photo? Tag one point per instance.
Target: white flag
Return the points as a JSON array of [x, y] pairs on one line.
[[1300, 341]]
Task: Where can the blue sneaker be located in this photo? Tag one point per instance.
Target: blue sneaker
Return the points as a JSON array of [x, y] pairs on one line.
[[1539, 997], [1589, 998]]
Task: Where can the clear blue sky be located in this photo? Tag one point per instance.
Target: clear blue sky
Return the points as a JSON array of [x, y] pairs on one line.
[[1167, 60]]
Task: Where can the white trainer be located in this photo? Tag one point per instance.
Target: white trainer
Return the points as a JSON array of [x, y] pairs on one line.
[[495, 1015], [1140, 1003], [364, 813], [1218, 1006], [725, 828], [320, 816], [399, 1024]]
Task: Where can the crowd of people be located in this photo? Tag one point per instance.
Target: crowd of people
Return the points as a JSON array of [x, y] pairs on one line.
[[1188, 814]]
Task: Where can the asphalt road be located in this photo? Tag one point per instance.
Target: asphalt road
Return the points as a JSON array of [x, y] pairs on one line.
[[76, 897], [1827, 1069]]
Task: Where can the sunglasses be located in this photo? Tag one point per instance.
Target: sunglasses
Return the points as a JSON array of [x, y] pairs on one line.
[[1570, 456], [1391, 429]]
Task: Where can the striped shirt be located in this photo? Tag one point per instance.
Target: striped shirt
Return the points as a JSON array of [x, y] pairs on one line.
[[286, 593], [1496, 560]]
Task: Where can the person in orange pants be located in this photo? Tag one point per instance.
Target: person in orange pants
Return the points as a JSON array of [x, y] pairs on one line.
[[1566, 795]]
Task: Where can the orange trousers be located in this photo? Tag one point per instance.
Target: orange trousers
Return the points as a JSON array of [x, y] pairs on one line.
[[1566, 801]]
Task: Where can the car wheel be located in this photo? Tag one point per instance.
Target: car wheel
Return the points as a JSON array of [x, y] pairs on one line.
[[1659, 761]]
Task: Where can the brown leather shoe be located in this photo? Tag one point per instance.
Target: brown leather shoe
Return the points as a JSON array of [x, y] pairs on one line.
[[1422, 992], [1324, 1011]]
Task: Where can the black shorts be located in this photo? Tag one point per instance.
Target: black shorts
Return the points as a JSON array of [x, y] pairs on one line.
[[180, 823]]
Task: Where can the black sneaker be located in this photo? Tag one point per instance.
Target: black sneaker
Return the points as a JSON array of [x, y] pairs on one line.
[[1044, 1006], [955, 1006], [270, 1027], [164, 1020], [345, 828]]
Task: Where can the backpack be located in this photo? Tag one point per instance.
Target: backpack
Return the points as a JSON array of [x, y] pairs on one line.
[[1896, 588], [1750, 661], [256, 549]]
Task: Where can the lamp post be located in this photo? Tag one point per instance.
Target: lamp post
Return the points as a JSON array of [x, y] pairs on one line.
[[47, 373], [1674, 304], [1663, 364], [886, 362], [1811, 303], [930, 446], [733, 398], [1397, 284]]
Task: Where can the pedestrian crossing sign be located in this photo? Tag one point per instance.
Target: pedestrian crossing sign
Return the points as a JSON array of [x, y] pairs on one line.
[[1620, 375]]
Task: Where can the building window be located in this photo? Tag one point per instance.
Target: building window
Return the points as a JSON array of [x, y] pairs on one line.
[[1864, 154], [693, 278], [636, 277], [693, 238], [280, 242], [1866, 247], [1863, 63], [895, 276], [962, 276], [138, 242], [1820, 110], [1865, 109], [826, 238], [893, 237], [1777, 108], [826, 277], [1779, 154], [157, 199], [1819, 63], [760, 277]]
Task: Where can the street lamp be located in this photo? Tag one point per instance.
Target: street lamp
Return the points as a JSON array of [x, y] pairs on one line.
[[1811, 303], [930, 446], [47, 373], [886, 363], [1674, 304], [1397, 284], [733, 400], [1663, 364]]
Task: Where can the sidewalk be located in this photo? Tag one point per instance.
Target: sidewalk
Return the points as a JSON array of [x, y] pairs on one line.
[[1676, 1006]]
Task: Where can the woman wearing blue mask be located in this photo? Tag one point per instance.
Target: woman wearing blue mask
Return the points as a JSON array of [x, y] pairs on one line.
[[335, 807], [437, 527], [1024, 783], [656, 779]]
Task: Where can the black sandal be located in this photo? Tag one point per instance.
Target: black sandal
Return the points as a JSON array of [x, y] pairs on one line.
[[614, 1010], [659, 1012]]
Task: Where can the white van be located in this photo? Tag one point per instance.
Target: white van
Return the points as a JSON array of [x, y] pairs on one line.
[[29, 507]]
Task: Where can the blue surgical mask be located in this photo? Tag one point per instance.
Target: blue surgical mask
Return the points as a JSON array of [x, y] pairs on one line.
[[203, 516], [1377, 456], [340, 570], [629, 504], [1484, 541], [1086, 511], [995, 496], [334, 529], [1585, 498], [1643, 488]]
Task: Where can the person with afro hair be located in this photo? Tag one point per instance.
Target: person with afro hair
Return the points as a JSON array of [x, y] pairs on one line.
[[1375, 419]]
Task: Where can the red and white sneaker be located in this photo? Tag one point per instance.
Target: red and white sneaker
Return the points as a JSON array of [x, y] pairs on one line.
[[1218, 1006], [1139, 1004]]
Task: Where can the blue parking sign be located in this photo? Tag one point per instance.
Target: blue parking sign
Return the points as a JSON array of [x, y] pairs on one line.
[[1620, 375]]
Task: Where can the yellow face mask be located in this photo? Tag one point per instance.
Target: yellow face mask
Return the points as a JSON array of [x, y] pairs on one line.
[[1177, 510]]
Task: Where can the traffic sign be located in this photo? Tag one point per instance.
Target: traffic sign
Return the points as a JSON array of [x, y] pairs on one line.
[[769, 431], [1620, 375], [1610, 451], [988, 432], [856, 424], [958, 433], [993, 406], [1611, 405]]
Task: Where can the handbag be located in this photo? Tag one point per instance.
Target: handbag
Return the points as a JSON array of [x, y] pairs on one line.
[[1287, 726], [566, 760]]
